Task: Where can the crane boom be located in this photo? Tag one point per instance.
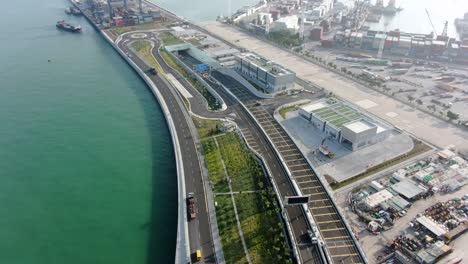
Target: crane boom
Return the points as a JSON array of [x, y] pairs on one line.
[[430, 20]]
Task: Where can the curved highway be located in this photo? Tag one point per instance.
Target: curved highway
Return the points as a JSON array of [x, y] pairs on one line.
[[340, 243], [199, 228]]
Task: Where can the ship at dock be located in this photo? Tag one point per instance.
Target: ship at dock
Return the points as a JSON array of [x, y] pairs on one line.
[[73, 11], [68, 27]]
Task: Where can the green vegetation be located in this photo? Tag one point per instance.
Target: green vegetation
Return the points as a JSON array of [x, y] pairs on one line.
[[171, 62], [145, 26], [258, 213], [207, 127], [419, 148], [144, 48], [215, 166], [230, 238], [284, 110], [285, 38], [213, 104], [452, 116], [258, 209], [243, 169], [169, 39]]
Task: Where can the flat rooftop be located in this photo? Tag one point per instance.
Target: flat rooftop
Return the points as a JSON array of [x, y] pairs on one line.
[[267, 65], [407, 188], [359, 126], [312, 107], [336, 114]]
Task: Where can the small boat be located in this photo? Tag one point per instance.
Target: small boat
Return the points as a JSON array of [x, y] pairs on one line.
[[68, 27]]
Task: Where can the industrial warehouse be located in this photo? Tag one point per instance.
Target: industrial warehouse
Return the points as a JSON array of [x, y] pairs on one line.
[[268, 75], [344, 124]]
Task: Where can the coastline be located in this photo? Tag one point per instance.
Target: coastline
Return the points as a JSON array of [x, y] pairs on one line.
[[182, 254]]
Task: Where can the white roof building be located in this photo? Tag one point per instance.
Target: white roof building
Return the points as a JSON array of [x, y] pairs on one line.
[[377, 198], [286, 23], [432, 226]]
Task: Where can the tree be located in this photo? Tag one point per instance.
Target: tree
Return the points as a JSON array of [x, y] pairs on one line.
[[411, 98], [452, 116], [325, 25], [419, 101]]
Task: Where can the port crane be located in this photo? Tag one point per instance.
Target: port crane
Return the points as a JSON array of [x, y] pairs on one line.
[[444, 35], [430, 20]]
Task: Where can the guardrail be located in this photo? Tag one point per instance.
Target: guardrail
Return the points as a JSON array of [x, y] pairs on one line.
[[284, 215], [327, 190], [292, 181], [240, 79], [183, 242], [201, 80]]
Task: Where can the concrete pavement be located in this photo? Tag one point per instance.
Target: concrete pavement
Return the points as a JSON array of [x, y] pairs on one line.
[[427, 127]]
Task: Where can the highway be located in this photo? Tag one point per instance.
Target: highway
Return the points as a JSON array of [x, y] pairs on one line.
[[338, 240], [200, 236], [340, 244], [199, 228], [337, 237], [308, 253]]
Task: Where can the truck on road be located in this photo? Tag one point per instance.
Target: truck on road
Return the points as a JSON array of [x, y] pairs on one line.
[[191, 206]]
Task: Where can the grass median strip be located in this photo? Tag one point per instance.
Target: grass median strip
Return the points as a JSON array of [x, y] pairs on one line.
[[143, 48], [207, 127], [146, 26], [257, 207]]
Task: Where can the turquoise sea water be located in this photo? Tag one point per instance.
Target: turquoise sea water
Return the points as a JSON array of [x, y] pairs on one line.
[[86, 162], [87, 171]]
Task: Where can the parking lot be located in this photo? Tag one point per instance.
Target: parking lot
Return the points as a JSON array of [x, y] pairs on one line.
[[416, 122], [426, 85], [346, 163]]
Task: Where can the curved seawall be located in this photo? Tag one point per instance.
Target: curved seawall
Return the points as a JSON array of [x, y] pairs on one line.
[[183, 247]]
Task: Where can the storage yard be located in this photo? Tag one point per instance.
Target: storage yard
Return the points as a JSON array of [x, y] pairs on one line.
[[433, 87], [414, 213]]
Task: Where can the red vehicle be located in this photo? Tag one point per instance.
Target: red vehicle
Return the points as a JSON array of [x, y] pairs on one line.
[[191, 206]]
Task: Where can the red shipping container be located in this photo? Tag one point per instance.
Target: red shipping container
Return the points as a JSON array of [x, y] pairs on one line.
[[316, 34]]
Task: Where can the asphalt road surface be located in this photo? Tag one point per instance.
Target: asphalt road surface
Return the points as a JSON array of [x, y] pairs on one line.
[[199, 229], [337, 238]]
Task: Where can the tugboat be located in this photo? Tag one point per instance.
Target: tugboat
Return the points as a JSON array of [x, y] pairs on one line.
[[67, 27]]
